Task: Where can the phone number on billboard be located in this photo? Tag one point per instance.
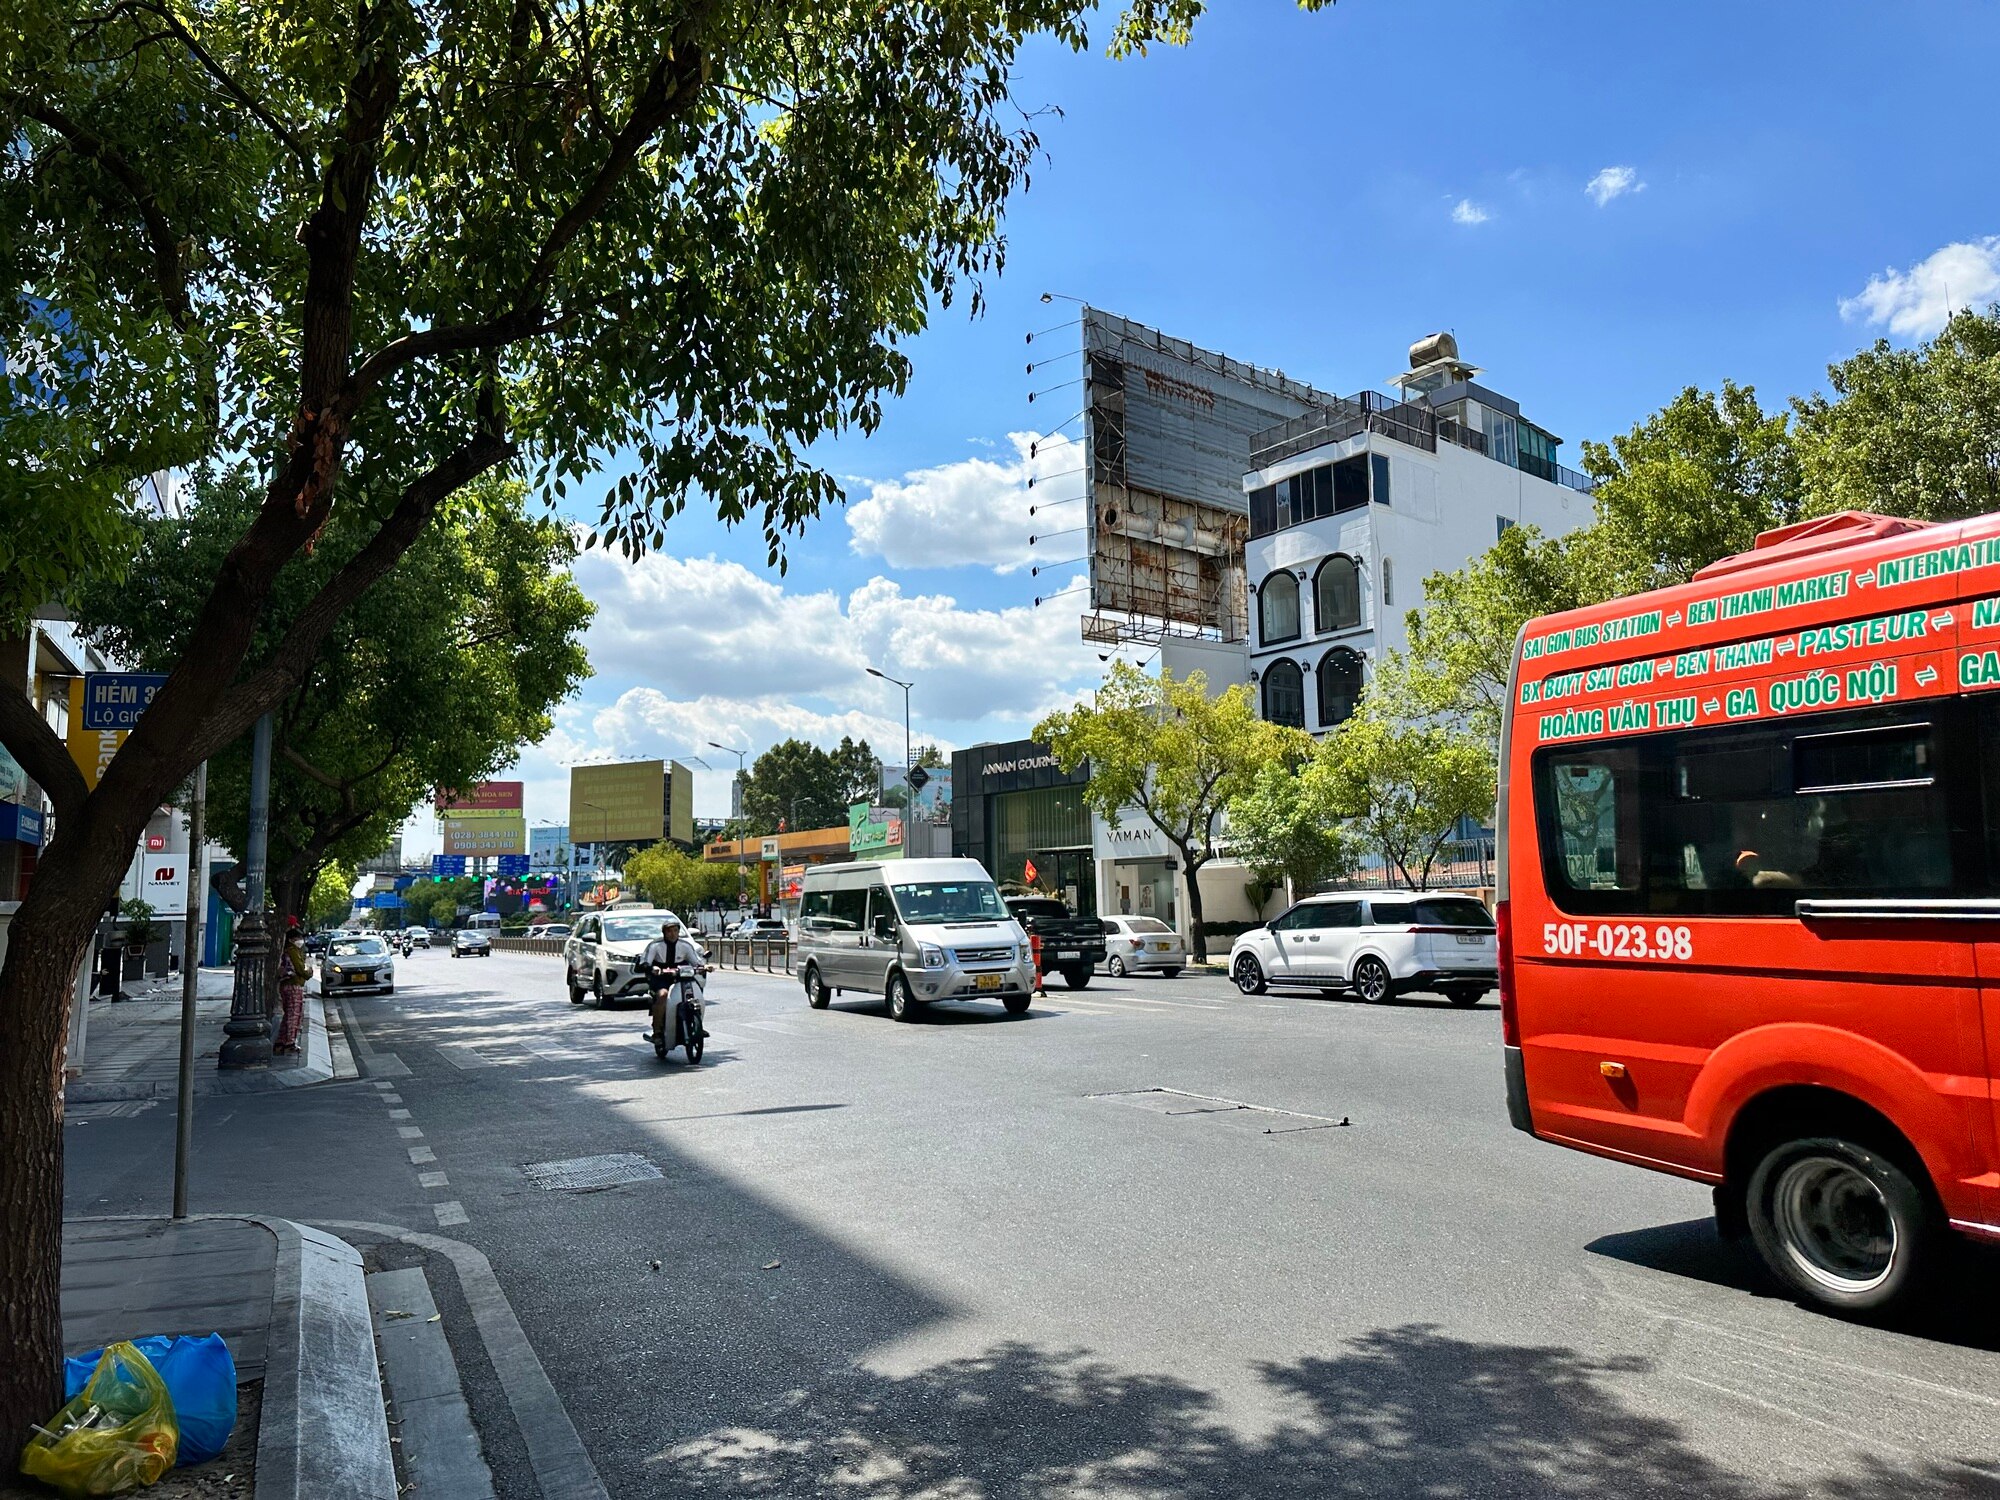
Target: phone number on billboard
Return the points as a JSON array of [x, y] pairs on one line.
[[1617, 940]]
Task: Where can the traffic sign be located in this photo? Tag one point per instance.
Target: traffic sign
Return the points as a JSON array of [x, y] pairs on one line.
[[114, 700], [918, 778], [447, 864], [513, 865]]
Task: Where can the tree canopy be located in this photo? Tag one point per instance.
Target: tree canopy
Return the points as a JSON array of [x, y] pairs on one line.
[[1285, 831], [802, 786], [670, 877]]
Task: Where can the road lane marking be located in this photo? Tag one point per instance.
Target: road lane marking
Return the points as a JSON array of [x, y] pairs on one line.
[[409, 1132], [421, 1154], [392, 1098], [450, 1212], [399, 1114], [431, 1180], [460, 1055]]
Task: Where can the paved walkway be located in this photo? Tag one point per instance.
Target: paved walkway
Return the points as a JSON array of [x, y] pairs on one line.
[[126, 1278], [133, 1048]]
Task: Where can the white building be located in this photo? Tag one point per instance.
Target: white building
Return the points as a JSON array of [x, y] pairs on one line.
[[1352, 506]]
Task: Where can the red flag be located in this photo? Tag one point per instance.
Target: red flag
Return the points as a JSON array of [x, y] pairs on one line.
[[1031, 872]]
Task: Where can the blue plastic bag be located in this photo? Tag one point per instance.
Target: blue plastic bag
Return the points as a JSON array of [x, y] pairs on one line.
[[201, 1378]]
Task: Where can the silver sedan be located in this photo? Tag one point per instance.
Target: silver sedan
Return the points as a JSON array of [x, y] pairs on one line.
[[1135, 945]]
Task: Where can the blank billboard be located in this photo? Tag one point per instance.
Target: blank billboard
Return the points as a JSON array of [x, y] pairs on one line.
[[618, 803], [1167, 429]]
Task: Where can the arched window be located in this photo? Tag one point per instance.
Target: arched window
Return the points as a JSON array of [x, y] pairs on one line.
[[1285, 694], [1339, 686], [1337, 594], [1278, 607]]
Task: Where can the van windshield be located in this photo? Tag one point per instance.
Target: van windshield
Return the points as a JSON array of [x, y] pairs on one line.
[[949, 901]]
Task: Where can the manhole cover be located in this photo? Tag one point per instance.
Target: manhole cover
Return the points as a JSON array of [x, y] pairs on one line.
[[583, 1174]]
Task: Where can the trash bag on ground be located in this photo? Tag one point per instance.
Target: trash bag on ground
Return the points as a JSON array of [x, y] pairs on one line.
[[116, 1435], [201, 1379]]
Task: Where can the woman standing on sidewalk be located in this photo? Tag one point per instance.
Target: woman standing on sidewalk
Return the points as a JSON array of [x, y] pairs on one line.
[[295, 970]]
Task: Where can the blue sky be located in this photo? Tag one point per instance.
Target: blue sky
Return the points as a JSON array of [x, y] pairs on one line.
[[1776, 185]]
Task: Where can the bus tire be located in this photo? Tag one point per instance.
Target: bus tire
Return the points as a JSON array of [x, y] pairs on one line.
[[1844, 1223]]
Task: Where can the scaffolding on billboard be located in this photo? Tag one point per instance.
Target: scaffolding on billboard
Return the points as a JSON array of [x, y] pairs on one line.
[[1167, 427]]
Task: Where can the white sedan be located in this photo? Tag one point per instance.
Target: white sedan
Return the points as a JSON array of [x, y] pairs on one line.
[[357, 963], [1374, 944], [1142, 945]]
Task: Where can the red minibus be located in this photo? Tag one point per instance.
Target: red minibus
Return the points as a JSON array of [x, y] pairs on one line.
[[1749, 892]]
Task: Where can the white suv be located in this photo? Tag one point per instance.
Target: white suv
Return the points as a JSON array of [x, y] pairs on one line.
[[1375, 944]]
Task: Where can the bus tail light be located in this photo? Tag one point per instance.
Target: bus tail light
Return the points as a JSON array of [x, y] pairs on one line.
[[1510, 1016]]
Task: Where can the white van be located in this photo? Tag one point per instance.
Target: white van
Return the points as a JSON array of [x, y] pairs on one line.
[[911, 931], [481, 921]]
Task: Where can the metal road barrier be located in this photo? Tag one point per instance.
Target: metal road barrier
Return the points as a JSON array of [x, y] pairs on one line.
[[760, 955], [528, 945]]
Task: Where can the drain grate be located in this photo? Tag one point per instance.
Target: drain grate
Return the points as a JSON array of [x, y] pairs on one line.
[[586, 1174]]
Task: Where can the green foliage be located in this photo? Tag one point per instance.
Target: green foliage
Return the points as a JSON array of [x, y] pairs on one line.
[[1174, 752], [140, 928], [802, 786], [1405, 785], [1282, 828], [670, 877], [434, 679], [1909, 432], [331, 898]]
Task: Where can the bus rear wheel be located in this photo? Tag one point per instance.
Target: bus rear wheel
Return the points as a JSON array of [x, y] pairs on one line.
[[1844, 1224]]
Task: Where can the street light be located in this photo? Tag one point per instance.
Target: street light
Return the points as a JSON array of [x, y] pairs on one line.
[[736, 814], [878, 672]]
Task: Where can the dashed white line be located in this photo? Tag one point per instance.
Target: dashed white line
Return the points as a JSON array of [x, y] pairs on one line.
[[399, 1114], [449, 1213], [409, 1132], [431, 1179], [421, 1154]]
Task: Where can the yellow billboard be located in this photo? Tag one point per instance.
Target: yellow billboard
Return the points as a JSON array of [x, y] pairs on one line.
[[618, 803], [91, 749], [680, 804], [484, 835]]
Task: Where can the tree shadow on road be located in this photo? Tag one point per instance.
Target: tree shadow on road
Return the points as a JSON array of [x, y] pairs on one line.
[[1399, 1412]]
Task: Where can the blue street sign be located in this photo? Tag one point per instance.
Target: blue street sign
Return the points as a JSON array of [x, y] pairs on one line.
[[387, 898], [404, 882], [20, 825], [114, 700], [513, 865], [447, 864]]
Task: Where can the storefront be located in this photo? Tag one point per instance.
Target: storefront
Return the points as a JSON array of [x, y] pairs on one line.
[[1138, 870], [1022, 816]]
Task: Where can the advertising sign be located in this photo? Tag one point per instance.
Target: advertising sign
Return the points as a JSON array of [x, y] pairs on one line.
[[767, 849], [20, 825], [875, 831], [481, 835], [932, 803], [500, 798], [13, 779], [618, 803], [91, 749], [548, 846], [114, 700], [163, 884]]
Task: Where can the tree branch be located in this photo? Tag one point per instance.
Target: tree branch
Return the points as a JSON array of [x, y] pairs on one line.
[[231, 87], [169, 272], [42, 754]]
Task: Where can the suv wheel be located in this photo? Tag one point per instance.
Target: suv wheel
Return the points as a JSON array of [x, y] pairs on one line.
[[1248, 974], [575, 989], [1371, 979]]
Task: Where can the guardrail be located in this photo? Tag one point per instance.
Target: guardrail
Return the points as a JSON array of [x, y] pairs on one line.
[[527, 945], [759, 955]]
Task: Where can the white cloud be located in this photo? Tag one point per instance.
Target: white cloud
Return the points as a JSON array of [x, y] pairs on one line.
[[1613, 182], [974, 512], [1915, 303], [1468, 212]]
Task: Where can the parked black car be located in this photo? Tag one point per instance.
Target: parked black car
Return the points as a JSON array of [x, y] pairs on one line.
[[1072, 946]]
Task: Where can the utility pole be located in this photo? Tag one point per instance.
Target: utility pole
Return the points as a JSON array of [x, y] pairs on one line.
[[190, 983], [737, 811], [248, 1029]]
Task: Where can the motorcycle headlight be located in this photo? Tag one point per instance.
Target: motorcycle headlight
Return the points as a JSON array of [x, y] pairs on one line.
[[933, 955]]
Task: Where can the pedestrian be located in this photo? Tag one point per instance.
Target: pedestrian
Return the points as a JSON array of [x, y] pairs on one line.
[[293, 973]]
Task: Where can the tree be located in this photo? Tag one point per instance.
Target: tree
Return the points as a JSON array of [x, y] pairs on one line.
[[1910, 432], [332, 897], [857, 773], [1175, 753], [433, 679], [794, 783], [1405, 785], [1283, 830], [677, 880], [384, 251]]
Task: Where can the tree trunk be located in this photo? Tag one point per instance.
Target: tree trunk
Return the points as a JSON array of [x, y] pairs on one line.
[[1194, 862], [45, 944]]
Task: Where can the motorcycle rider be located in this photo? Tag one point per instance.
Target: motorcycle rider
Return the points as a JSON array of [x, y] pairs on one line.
[[666, 953]]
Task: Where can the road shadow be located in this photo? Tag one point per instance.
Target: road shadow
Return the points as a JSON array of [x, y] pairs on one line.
[[1399, 1412]]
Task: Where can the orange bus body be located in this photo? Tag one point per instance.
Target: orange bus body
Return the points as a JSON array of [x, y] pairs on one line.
[[1750, 858]]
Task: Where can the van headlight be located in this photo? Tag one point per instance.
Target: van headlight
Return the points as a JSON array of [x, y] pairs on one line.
[[932, 955]]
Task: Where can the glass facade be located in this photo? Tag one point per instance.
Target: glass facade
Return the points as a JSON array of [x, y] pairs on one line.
[[1048, 827]]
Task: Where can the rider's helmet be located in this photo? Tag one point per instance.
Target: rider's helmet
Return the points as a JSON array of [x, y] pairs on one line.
[[670, 926]]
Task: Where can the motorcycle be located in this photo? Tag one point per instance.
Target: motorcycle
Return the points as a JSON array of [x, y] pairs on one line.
[[682, 990]]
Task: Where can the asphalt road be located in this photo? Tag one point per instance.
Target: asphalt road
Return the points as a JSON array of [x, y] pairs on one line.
[[1153, 1239]]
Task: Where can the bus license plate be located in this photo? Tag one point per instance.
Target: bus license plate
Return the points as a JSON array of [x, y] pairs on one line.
[[990, 981]]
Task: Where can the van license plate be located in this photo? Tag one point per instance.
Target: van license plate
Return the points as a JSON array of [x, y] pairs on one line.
[[1470, 939], [990, 981]]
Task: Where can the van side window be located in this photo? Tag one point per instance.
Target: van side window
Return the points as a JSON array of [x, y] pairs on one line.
[[1745, 820], [879, 905], [847, 911], [814, 908]]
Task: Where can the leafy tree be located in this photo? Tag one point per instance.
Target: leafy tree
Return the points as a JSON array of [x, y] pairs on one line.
[[794, 783], [857, 773], [1282, 829], [677, 880], [382, 251], [1406, 786], [331, 898], [1172, 751], [1909, 432]]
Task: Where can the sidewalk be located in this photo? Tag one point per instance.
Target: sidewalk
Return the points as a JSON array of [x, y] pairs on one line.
[[134, 1046], [292, 1305]]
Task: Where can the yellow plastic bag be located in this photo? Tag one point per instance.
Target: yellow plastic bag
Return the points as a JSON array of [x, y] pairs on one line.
[[117, 1436]]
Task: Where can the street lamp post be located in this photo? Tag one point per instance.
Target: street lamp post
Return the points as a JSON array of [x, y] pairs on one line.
[[909, 791], [742, 881], [247, 1031]]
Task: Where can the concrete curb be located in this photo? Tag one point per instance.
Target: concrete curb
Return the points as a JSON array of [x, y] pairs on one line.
[[323, 1435], [315, 1065], [555, 1452]]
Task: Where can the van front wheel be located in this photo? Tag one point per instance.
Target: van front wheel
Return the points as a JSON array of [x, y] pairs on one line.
[[818, 996], [902, 1004], [1844, 1224]]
